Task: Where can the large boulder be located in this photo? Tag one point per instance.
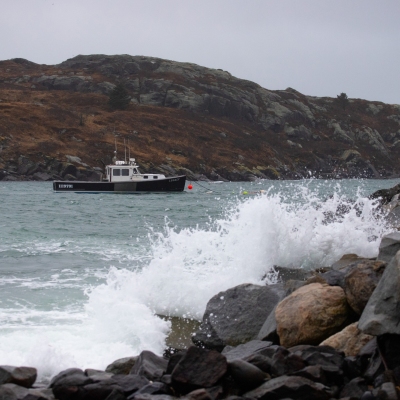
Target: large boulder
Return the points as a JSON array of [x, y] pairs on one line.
[[361, 281], [381, 314], [122, 366], [311, 314], [237, 315], [150, 365], [198, 368], [22, 376]]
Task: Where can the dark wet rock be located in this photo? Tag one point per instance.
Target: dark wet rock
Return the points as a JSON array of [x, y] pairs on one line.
[[71, 376], [246, 350], [331, 361], [314, 373], [381, 314], [321, 355], [70, 169], [20, 391], [361, 281], [389, 346], [390, 245], [260, 361], [385, 195], [352, 367], [387, 391], [237, 315], [205, 394], [69, 384], [354, 389], [334, 278], [295, 387], [22, 376], [246, 375], [116, 394], [174, 360], [122, 366], [146, 396], [199, 368], [150, 365], [130, 383], [96, 391], [7, 394], [284, 362], [152, 388]]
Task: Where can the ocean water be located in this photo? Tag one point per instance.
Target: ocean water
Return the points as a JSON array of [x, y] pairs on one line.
[[83, 277]]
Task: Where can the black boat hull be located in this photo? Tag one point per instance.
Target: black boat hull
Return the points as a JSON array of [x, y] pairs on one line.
[[173, 184]]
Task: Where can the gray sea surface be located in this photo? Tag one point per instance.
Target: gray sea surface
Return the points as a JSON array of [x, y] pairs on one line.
[[62, 255]]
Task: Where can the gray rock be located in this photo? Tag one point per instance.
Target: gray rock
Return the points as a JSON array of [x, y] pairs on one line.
[[69, 169], [7, 394], [122, 366], [247, 375], [236, 316], [382, 313], [246, 350], [386, 391], [390, 245], [295, 387], [22, 376], [41, 176], [19, 391], [150, 365], [268, 330], [354, 389], [130, 383], [73, 376], [199, 368]]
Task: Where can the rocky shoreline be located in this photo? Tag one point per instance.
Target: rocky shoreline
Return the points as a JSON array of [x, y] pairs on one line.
[[74, 169], [327, 334]]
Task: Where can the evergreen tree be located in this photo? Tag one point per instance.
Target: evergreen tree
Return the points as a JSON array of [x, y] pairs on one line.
[[343, 100], [119, 98]]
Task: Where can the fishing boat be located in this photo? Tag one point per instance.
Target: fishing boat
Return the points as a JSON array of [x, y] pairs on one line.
[[124, 177]]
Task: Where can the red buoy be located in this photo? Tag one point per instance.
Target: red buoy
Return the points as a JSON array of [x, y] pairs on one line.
[[190, 187]]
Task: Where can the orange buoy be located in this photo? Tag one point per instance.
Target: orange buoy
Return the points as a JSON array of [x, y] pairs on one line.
[[190, 187]]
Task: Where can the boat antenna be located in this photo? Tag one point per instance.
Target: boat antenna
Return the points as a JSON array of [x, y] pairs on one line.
[[115, 151], [129, 152], [125, 150]]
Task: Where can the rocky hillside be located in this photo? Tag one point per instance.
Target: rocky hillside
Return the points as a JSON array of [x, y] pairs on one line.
[[55, 122]]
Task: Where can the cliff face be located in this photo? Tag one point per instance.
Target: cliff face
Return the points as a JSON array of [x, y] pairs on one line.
[[183, 118]]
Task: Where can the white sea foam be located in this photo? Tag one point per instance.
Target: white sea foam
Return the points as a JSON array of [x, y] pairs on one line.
[[182, 270]]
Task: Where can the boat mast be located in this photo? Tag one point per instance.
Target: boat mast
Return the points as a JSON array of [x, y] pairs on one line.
[[115, 152]]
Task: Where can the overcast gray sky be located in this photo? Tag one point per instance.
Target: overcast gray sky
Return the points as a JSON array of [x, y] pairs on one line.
[[318, 47]]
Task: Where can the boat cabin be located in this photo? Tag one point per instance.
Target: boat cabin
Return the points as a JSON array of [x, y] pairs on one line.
[[121, 171]]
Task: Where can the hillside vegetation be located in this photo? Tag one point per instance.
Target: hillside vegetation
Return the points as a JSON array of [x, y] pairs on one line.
[[55, 122]]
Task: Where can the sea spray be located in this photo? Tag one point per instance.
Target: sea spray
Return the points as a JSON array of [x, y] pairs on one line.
[[190, 265]]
